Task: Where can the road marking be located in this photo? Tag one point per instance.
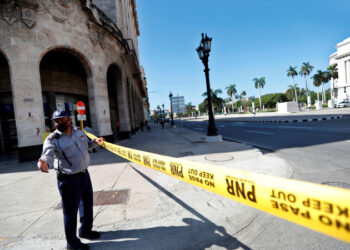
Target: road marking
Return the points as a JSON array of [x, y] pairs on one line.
[[258, 132], [292, 127]]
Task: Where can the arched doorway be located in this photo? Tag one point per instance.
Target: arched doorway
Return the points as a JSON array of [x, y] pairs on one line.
[[8, 133], [114, 80], [64, 83]]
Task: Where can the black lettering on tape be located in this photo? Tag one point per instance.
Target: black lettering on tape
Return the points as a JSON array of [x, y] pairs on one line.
[[240, 190], [137, 157], [206, 175], [283, 196], [274, 204], [325, 220], [209, 183], [286, 208], [339, 225], [344, 212], [196, 179], [130, 155], [316, 204], [192, 171], [146, 160], [176, 169], [291, 198], [328, 207]]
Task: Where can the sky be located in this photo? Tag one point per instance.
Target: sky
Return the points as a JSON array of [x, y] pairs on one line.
[[251, 38]]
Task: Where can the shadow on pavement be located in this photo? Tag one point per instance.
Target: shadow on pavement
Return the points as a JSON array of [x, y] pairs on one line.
[[195, 234]]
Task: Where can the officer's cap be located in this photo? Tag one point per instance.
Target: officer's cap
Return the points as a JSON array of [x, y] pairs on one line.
[[59, 113]]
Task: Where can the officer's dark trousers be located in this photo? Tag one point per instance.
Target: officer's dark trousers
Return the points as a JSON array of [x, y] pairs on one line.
[[76, 192]]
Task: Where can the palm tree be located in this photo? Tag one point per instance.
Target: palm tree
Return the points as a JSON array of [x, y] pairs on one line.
[[305, 71], [189, 107], [292, 72], [325, 79], [319, 78], [216, 101], [231, 91], [333, 74], [243, 94], [259, 84]]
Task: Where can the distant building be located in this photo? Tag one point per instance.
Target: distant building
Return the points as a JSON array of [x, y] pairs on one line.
[[178, 104], [341, 87], [56, 52]]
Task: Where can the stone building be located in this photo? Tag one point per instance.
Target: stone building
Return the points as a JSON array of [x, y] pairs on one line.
[[341, 87], [54, 53]]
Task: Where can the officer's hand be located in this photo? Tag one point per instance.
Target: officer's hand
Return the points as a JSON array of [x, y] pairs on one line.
[[42, 165], [100, 141]]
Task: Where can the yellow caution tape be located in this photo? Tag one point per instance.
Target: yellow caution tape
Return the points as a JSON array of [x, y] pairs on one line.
[[319, 207]]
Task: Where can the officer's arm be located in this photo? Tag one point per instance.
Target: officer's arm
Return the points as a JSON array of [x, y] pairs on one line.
[[47, 156], [94, 143]]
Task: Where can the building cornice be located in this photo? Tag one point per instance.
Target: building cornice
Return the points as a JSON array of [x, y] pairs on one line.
[[134, 12], [345, 42], [343, 55]]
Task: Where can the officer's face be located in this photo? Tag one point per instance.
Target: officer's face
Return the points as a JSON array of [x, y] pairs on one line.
[[62, 124], [61, 120]]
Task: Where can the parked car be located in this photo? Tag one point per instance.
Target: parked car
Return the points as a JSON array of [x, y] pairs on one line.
[[343, 104]]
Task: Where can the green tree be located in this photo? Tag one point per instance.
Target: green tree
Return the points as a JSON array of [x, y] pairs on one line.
[[217, 102], [190, 108], [259, 84], [305, 71], [319, 78], [231, 91], [333, 74], [203, 107], [292, 72]]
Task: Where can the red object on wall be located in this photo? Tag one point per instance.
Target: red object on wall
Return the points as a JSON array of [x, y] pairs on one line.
[[81, 108]]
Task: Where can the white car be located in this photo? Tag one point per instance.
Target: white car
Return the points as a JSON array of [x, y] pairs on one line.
[[343, 104]]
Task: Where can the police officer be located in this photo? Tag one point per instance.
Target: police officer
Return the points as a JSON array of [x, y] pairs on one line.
[[66, 149]]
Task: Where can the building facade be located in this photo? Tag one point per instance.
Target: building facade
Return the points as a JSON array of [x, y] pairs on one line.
[[341, 87], [54, 53]]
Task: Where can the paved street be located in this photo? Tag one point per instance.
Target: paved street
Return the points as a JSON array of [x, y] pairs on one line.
[[318, 152]]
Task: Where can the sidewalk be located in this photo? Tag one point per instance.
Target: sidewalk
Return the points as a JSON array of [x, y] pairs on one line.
[[150, 210]]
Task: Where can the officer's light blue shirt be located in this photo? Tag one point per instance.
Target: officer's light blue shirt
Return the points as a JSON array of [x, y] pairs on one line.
[[67, 153]]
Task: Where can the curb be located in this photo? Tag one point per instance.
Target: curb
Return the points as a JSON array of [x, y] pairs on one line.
[[291, 120], [248, 143]]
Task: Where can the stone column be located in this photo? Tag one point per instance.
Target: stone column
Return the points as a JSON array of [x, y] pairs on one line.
[[99, 106], [28, 103], [123, 109]]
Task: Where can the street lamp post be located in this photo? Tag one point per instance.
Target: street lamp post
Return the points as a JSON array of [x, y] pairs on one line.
[[203, 53], [171, 109]]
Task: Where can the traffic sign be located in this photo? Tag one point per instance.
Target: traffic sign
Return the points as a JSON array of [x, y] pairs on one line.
[[81, 117], [81, 108]]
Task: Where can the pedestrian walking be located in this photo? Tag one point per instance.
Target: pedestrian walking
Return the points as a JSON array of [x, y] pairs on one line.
[[66, 149]]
